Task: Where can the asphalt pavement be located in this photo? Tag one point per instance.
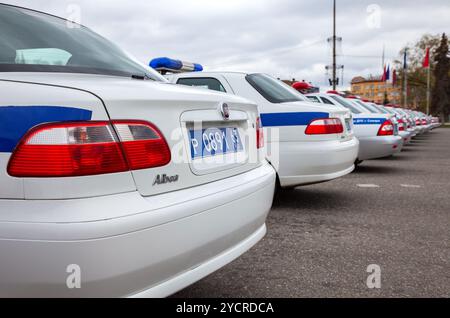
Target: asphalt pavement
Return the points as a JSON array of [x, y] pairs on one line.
[[392, 212]]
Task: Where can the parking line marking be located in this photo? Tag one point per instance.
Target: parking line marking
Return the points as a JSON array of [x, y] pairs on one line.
[[368, 185], [410, 186]]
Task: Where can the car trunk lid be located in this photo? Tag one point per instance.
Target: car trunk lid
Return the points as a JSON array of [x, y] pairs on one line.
[[176, 111]]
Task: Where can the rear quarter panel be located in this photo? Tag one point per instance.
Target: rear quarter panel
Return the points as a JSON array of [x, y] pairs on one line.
[[367, 125], [24, 105]]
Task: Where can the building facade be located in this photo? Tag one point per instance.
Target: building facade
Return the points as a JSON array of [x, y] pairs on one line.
[[373, 89]]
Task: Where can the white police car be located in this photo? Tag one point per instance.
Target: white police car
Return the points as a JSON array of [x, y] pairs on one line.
[[376, 132], [406, 130], [399, 119], [422, 122], [306, 143], [100, 187]]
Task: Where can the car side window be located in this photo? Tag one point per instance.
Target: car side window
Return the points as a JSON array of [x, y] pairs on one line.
[[326, 101], [49, 56], [203, 82], [313, 99]]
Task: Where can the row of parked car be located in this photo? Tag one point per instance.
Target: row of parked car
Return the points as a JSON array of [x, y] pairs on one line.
[[402, 123], [116, 182], [381, 131]]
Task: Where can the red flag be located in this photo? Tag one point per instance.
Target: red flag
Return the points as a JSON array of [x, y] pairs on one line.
[[394, 77], [426, 60], [383, 78]]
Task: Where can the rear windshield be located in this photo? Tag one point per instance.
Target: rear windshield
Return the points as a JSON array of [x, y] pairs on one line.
[[346, 104], [390, 111], [203, 82], [401, 112], [31, 41], [313, 99], [275, 91], [381, 109], [368, 107]]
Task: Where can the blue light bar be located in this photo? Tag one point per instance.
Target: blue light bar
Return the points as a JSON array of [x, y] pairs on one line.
[[176, 66], [165, 62], [198, 67]]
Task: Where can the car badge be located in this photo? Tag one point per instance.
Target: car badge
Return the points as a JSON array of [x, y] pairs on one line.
[[225, 111]]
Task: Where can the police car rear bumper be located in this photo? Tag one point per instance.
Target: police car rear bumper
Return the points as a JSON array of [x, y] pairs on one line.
[[406, 136], [303, 163], [168, 242], [379, 146]]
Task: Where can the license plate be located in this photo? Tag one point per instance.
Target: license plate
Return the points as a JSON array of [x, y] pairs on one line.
[[215, 141]]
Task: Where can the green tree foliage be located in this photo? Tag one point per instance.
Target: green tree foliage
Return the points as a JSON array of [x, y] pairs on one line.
[[440, 104]]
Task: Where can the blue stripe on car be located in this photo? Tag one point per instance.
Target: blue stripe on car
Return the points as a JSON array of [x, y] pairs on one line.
[[15, 121], [290, 119], [368, 121]]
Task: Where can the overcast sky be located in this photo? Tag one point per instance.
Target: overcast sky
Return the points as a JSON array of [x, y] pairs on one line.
[[285, 38]]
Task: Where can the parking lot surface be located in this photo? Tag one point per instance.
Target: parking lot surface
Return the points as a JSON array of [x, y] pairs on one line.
[[393, 212]]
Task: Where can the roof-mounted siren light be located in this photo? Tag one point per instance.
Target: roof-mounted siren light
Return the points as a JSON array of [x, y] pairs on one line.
[[167, 65], [334, 92], [301, 86], [304, 87]]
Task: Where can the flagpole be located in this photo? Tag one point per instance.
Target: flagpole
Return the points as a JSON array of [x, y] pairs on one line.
[[428, 88], [385, 87], [405, 82], [405, 89], [334, 45]]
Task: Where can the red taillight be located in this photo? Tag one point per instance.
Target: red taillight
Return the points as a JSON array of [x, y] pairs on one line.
[[401, 125], [259, 134], [324, 126], [143, 144], [386, 129], [424, 121], [88, 148], [418, 122]]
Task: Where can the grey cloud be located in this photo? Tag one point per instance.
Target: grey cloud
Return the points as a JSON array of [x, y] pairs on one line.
[[286, 38]]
